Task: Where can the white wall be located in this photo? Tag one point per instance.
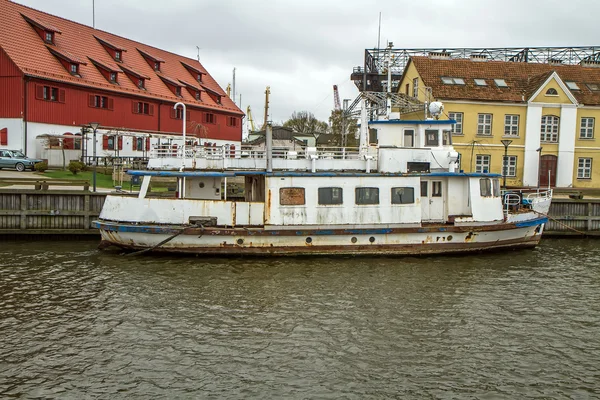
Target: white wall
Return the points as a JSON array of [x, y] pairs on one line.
[[532, 143], [458, 196], [566, 145], [15, 133], [485, 209], [348, 213]]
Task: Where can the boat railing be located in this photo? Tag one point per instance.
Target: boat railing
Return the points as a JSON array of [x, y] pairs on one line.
[[539, 195], [230, 151], [512, 201]]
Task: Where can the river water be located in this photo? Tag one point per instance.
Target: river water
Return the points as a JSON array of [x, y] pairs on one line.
[[79, 323]]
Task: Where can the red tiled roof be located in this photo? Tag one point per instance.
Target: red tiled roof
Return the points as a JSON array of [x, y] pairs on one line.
[[169, 80], [193, 68], [523, 79], [29, 52], [150, 56], [109, 44], [108, 66], [40, 24], [65, 55], [191, 85], [134, 72]]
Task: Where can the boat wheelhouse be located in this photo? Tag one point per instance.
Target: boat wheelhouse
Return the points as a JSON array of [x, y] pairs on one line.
[[403, 195]]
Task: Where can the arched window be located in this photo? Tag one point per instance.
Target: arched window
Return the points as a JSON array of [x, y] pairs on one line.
[[68, 143], [551, 92], [549, 128]]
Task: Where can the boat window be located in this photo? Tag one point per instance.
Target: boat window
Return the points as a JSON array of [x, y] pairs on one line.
[[431, 137], [409, 138], [447, 138], [291, 196], [366, 195], [403, 195], [424, 189], [496, 187], [485, 187], [436, 189], [332, 195]]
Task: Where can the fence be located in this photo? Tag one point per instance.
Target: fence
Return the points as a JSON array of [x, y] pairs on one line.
[[572, 215], [32, 212]]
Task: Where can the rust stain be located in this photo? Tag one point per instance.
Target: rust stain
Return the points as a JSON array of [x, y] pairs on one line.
[[233, 213], [470, 237], [267, 207]]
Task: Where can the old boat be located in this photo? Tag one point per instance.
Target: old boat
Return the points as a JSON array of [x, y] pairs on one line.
[[404, 195]]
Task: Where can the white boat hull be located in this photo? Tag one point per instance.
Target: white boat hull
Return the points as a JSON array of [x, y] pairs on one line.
[[401, 241]]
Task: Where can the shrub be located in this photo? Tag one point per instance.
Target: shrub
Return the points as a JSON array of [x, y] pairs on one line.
[[75, 167], [41, 166]]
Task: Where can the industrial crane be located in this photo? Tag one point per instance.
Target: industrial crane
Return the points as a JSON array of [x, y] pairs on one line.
[[336, 99], [250, 119]]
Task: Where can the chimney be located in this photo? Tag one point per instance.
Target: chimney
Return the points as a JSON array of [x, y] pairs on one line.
[[590, 63], [479, 57], [439, 55], [555, 61]]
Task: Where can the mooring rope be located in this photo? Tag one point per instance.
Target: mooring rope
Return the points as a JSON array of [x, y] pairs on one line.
[[560, 223]]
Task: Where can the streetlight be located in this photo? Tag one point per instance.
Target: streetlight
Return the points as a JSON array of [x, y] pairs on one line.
[[94, 126], [539, 150], [183, 153], [506, 143]]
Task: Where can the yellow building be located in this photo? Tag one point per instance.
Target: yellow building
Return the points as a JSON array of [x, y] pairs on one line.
[[544, 112]]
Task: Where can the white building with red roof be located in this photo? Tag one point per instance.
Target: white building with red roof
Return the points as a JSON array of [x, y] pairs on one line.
[[57, 76]]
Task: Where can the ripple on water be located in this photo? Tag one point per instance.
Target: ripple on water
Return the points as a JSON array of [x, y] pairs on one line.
[[79, 323]]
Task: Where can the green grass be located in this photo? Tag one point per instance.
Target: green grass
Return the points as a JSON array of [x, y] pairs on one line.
[[102, 180]]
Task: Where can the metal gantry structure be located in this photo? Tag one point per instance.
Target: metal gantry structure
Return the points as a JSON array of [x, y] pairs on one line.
[[372, 75], [371, 78]]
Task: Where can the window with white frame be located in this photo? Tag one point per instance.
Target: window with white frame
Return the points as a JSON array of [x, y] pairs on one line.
[[484, 124], [511, 125], [457, 129], [549, 128], [482, 163], [584, 168], [416, 87], [509, 166], [587, 128]]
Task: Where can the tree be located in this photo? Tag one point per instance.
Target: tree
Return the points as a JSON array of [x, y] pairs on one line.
[[341, 126], [306, 123]]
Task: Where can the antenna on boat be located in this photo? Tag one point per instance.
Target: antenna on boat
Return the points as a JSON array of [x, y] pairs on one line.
[[388, 101], [435, 109]]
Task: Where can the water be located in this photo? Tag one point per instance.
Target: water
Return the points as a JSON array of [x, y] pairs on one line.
[[77, 323]]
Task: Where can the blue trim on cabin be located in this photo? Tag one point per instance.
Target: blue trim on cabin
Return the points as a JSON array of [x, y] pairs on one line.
[[292, 174], [413, 122]]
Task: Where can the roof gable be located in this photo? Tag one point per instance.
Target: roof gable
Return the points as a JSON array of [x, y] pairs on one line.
[[553, 90]]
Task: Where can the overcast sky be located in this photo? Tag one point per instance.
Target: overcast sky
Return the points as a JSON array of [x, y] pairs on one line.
[[302, 48]]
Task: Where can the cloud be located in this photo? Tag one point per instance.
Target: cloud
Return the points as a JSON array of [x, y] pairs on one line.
[[301, 49]]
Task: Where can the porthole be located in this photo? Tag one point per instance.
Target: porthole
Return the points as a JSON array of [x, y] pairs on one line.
[[354, 240], [308, 240], [201, 185], [449, 237], [240, 241], [372, 239]]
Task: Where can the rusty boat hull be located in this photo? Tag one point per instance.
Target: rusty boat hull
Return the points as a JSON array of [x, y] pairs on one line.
[[435, 239]]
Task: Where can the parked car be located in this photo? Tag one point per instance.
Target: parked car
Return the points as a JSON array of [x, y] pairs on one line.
[[17, 160]]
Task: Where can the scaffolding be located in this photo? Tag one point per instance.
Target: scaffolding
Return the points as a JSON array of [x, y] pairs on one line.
[[372, 76]]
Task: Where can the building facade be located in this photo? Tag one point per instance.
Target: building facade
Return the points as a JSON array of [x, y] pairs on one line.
[[57, 76], [532, 121]]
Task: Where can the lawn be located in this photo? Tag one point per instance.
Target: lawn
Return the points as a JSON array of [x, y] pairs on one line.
[[102, 180]]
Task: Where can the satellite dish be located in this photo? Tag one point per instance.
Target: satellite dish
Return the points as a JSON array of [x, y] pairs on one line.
[[435, 109]]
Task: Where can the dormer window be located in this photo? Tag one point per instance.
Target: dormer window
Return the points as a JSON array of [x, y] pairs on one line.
[[117, 56], [178, 91], [199, 78], [113, 77], [74, 69], [70, 62], [156, 66], [49, 38], [115, 51], [197, 96], [44, 30], [140, 83]]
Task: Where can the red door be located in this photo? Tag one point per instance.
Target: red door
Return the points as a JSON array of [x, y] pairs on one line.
[[548, 170]]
